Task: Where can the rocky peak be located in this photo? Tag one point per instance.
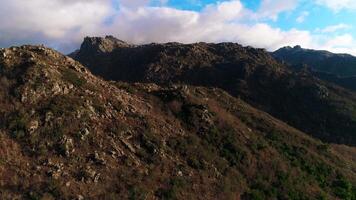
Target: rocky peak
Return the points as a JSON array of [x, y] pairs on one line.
[[297, 47], [102, 45], [37, 73]]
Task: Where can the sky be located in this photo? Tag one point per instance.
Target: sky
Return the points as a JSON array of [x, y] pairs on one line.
[[269, 24]]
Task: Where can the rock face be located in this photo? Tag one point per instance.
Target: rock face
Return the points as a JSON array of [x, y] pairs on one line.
[[103, 45], [66, 134], [298, 98]]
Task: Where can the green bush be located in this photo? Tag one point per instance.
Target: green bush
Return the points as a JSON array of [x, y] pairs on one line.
[[256, 195], [225, 142], [98, 106], [18, 125], [171, 192], [71, 76], [344, 189], [190, 149], [151, 146], [63, 105], [274, 136], [137, 193]]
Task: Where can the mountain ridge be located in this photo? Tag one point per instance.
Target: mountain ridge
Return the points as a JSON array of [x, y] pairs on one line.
[[298, 98], [343, 65]]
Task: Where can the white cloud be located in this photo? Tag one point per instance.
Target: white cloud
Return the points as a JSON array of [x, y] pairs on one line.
[[302, 17], [43, 20], [272, 8], [63, 24], [216, 23], [134, 3], [340, 44], [338, 5], [221, 11], [334, 28]]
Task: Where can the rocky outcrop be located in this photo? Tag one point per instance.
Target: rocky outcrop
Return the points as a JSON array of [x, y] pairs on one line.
[[102, 45]]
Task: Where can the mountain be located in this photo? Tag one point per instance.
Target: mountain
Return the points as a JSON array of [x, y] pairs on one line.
[[67, 134], [339, 69], [343, 65], [348, 82], [314, 106]]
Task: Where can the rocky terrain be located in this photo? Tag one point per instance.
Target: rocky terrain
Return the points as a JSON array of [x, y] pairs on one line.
[[343, 65], [348, 82], [339, 69], [319, 108], [67, 134]]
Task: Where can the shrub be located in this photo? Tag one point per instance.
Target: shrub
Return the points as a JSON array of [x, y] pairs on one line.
[[171, 192], [225, 143], [71, 76], [63, 105], [98, 106], [256, 195], [151, 145], [18, 125], [344, 189], [137, 193], [191, 150], [274, 136]]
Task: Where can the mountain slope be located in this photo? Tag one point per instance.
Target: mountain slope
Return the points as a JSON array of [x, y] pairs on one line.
[[67, 134], [343, 65], [339, 69], [348, 82], [298, 98]]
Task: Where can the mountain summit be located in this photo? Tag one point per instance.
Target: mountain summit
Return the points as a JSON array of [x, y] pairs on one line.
[[343, 65], [102, 45]]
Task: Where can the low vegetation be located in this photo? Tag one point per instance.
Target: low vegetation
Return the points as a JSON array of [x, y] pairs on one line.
[[101, 140]]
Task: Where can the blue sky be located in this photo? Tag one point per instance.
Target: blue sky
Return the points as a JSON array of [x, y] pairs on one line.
[[317, 16], [270, 24]]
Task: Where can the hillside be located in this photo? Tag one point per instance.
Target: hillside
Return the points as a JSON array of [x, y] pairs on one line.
[[348, 82], [343, 65], [339, 69], [66, 134], [321, 109]]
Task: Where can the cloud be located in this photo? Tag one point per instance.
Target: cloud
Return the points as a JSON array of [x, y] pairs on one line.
[[62, 24], [221, 11], [221, 22], [340, 44], [272, 8], [335, 28], [134, 3], [302, 17], [338, 5], [45, 20], [216, 23]]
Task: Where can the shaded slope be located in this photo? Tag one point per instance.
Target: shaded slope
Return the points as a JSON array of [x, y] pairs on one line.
[[66, 134], [348, 82], [318, 108], [324, 61], [339, 69]]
